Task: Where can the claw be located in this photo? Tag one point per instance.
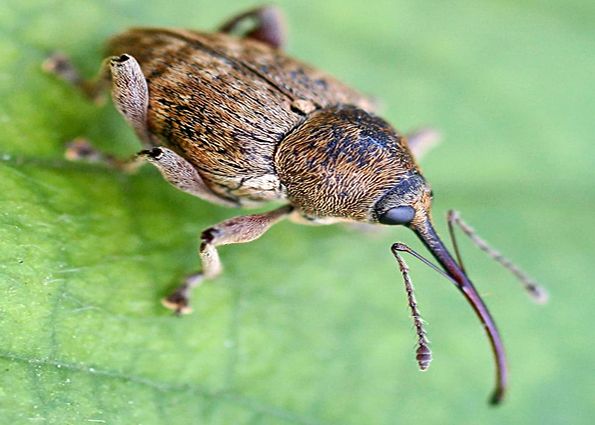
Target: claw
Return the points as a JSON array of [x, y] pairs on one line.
[[59, 64], [80, 149], [178, 303]]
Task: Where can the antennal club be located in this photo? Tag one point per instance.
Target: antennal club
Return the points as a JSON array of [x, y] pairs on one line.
[[423, 352], [535, 291], [452, 271]]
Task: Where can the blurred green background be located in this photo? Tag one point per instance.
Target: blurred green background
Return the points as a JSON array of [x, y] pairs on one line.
[[308, 325]]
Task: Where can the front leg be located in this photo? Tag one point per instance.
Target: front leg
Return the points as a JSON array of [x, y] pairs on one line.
[[422, 141], [235, 230]]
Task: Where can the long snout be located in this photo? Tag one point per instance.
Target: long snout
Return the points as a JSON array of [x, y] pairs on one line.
[[425, 231]]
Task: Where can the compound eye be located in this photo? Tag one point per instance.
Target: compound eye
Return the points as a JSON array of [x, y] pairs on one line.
[[398, 215]]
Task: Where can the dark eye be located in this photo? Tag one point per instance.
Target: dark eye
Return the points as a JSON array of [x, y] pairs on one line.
[[397, 215]]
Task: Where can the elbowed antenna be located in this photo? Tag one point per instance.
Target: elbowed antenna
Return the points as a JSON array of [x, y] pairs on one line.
[[425, 231], [423, 354], [537, 293]]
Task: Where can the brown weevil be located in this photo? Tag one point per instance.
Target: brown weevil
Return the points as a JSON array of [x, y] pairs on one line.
[[228, 117]]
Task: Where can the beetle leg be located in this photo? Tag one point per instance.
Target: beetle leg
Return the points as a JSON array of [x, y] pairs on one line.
[[235, 230], [130, 93], [181, 174], [80, 149], [129, 87], [60, 65], [269, 25], [422, 141]]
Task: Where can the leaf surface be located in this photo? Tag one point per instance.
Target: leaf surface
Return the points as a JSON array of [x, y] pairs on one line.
[[307, 325]]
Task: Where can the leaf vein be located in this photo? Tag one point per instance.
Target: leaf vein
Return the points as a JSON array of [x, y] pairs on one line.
[[221, 396]]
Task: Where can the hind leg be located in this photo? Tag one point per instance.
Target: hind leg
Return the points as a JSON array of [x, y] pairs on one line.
[[129, 93], [62, 67]]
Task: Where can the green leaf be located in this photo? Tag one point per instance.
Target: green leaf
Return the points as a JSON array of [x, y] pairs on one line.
[[308, 325]]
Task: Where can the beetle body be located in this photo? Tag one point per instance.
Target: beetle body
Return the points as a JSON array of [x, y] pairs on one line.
[[240, 111], [233, 120]]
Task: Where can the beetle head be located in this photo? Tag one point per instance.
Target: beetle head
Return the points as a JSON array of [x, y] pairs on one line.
[[408, 202], [346, 164]]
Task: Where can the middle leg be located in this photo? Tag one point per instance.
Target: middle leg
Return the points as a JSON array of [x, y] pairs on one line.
[[235, 230], [269, 27]]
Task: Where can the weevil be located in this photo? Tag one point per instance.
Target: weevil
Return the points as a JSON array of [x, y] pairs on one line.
[[228, 117]]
